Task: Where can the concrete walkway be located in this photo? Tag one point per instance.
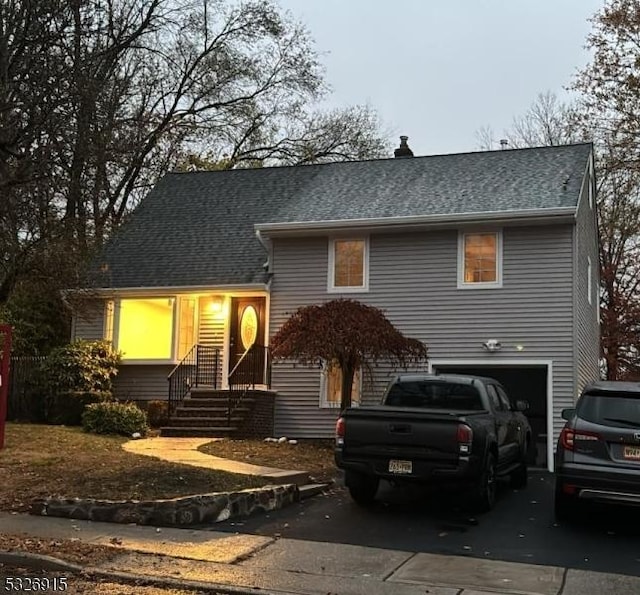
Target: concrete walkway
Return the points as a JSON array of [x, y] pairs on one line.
[[252, 564], [185, 452]]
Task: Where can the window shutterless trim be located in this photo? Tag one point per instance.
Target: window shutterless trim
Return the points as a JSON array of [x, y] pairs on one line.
[[331, 269], [461, 283], [325, 403]]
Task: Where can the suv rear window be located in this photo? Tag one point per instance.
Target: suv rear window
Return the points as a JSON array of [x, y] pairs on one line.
[[434, 395], [621, 410]]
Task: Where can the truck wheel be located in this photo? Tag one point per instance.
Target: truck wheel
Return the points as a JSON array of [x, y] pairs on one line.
[[520, 477], [485, 496], [362, 488]]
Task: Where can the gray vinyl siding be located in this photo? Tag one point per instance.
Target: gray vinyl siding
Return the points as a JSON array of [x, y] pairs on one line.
[[587, 329], [88, 322], [413, 277], [142, 382]]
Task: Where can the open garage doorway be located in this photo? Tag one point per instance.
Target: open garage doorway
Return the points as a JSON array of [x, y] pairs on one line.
[[529, 382]]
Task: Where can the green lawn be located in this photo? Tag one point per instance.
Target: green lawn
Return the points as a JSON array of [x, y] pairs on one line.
[[39, 461]]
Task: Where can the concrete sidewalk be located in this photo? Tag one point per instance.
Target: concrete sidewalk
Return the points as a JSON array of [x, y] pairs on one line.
[[185, 452], [247, 563]]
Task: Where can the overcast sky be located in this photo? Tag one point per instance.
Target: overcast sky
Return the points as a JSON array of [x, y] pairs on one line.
[[438, 70]]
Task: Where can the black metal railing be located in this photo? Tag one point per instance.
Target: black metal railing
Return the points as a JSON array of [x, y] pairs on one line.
[[252, 368], [200, 367]]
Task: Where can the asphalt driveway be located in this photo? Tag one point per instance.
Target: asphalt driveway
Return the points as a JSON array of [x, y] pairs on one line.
[[521, 528]]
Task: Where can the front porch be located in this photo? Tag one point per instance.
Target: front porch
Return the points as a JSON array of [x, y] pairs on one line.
[[205, 353], [201, 405]]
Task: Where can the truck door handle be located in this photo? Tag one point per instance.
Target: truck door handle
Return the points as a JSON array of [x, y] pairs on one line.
[[400, 428]]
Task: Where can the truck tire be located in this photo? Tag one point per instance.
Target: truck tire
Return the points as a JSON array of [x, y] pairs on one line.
[[485, 493], [520, 476], [362, 488]]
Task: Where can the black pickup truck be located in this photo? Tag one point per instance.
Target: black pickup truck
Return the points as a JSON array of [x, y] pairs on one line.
[[444, 430]]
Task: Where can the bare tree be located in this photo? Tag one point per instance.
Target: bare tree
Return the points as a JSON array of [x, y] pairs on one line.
[[547, 122], [100, 97]]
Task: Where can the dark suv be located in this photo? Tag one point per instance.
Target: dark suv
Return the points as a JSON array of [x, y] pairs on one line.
[[598, 455]]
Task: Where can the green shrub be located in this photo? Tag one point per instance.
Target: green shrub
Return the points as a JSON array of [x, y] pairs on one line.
[[76, 375], [81, 366], [158, 413], [67, 407], [114, 418]]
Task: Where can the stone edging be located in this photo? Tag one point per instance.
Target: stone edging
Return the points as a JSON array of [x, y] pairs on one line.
[[176, 512]]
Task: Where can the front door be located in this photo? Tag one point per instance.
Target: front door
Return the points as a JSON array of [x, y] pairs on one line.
[[247, 358]]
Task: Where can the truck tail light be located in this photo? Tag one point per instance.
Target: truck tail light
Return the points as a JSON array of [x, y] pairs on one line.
[[340, 429], [568, 437], [464, 438]]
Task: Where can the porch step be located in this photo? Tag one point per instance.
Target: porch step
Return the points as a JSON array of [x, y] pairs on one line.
[[205, 392], [182, 411], [211, 432], [214, 422]]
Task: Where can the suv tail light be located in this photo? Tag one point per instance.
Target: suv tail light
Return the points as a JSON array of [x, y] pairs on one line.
[[340, 429], [464, 436], [568, 437]]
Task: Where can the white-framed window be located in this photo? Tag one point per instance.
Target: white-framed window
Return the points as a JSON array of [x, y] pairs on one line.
[[479, 260], [348, 265], [186, 325], [589, 280], [152, 329], [331, 387], [109, 310]]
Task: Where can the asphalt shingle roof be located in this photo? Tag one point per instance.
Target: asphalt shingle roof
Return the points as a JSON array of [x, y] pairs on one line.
[[197, 229]]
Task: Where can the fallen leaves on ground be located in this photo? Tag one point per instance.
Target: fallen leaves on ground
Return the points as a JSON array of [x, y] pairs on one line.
[[40, 461], [79, 585], [314, 456]]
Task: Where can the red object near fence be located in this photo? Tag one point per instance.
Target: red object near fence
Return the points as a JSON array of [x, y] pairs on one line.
[[5, 344]]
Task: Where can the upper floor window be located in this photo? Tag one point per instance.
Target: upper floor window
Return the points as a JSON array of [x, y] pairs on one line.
[[348, 265], [480, 260]]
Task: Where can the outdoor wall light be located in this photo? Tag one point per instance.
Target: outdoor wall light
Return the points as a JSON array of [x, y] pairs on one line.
[[492, 345], [519, 347], [215, 305]]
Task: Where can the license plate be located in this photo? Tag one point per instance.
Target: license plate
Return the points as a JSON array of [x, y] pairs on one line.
[[400, 467], [631, 452]]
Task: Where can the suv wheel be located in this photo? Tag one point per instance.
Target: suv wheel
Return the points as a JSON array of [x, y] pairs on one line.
[[362, 488], [564, 506]]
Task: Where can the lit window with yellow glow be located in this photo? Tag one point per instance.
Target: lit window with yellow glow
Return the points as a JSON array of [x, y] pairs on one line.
[[186, 328], [481, 259], [331, 386], [348, 262], [145, 328]]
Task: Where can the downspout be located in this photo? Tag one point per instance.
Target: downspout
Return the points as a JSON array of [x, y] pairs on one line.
[[267, 265]]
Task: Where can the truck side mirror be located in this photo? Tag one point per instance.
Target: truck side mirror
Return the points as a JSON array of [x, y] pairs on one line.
[[522, 405], [568, 413]]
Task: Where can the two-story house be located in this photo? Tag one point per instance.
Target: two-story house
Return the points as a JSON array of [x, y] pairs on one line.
[[490, 258]]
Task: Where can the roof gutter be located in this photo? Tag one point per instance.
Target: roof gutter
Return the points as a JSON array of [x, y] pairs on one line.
[[162, 291], [555, 215]]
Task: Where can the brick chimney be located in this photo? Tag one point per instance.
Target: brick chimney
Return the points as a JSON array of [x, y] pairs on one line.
[[403, 150]]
